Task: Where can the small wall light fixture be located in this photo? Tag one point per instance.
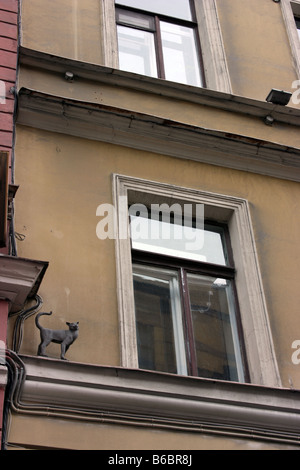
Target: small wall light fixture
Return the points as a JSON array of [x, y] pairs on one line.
[[276, 1], [69, 76], [269, 120], [279, 97]]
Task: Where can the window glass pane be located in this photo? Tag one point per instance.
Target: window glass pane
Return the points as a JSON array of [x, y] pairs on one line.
[[129, 18], [298, 25], [137, 51], [180, 54], [215, 331], [175, 8], [174, 239], [159, 320]]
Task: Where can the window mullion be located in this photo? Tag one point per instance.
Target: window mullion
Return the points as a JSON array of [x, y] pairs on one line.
[[179, 339], [159, 50], [190, 342]]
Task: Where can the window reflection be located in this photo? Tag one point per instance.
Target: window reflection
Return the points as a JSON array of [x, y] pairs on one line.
[[172, 239], [159, 320], [162, 316], [214, 328], [297, 20], [137, 51], [159, 39], [175, 8], [180, 55]]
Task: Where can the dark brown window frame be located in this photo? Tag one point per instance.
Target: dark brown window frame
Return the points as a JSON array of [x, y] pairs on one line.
[[157, 35], [185, 266]]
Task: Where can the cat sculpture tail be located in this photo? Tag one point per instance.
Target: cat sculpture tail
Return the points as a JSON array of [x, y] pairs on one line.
[[38, 316]]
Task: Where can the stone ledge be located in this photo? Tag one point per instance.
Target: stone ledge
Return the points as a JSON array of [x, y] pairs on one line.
[[154, 134], [85, 391]]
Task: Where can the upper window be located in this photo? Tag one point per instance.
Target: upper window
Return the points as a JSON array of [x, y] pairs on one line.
[[297, 20], [187, 318], [159, 39]]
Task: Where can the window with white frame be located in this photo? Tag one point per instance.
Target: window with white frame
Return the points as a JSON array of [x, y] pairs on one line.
[[159, 39], [186, 309], [150, 37], [188, 312]]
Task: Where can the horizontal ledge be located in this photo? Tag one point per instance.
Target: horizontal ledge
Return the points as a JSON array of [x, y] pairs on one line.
[[20, 278], [199, 95], [154, 134], [92, 391]]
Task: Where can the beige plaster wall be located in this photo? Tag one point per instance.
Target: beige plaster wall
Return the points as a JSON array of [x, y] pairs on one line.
[[63, 180], [257, 47], [67, 28], [256, 43], [60, 434]]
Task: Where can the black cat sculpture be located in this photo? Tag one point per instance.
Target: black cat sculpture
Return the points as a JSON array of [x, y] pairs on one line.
[[63, 337]]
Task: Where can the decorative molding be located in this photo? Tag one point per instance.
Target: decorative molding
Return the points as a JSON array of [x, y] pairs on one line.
[[290, 8], [114, 77], [109, 34], [260, 351], [115, 395], [20, 279], [155, 134], [212, 47]]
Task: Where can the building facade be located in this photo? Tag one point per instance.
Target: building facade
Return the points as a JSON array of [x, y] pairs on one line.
[[157, 162]]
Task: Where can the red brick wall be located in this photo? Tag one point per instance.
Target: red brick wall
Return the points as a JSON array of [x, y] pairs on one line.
[[8, 66], [8, 73]]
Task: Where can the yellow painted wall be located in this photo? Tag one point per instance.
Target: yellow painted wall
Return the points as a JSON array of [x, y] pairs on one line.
[[256, 44], [257, 47], [62, 181], [67, 28], [60, 434]]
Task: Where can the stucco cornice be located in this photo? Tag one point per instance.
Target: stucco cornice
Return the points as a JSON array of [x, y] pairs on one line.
[[203, 96], [20, 279], [145, 398], [155, 134]]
